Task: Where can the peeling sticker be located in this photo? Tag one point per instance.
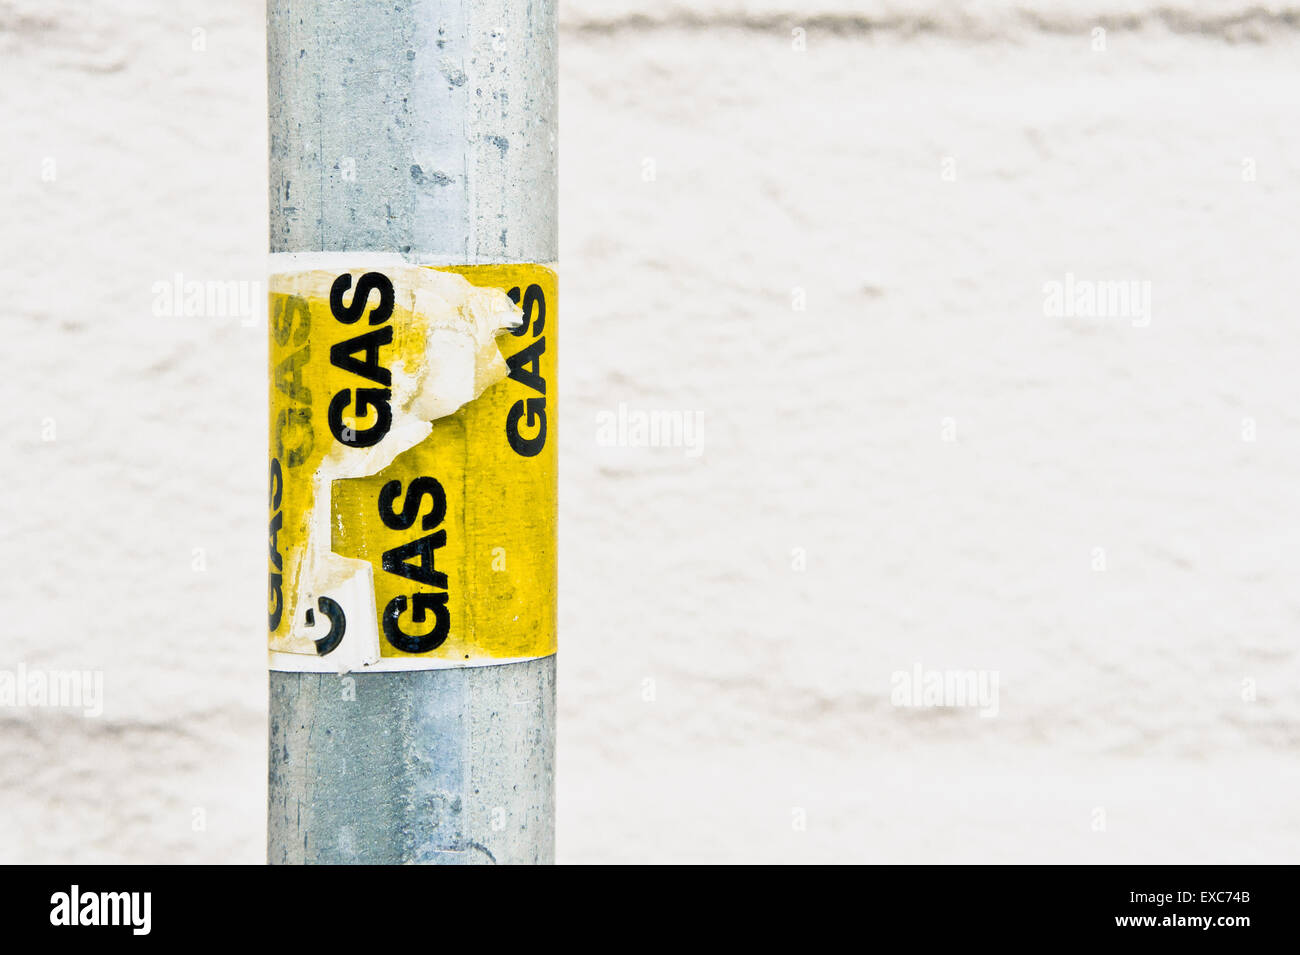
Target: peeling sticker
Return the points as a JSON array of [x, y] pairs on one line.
[[412, 466]]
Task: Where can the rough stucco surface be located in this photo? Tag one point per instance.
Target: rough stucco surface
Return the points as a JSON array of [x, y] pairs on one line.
[[916, 467]]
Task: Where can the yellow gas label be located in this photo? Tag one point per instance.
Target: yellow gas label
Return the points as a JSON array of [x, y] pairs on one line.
[[412, 466]]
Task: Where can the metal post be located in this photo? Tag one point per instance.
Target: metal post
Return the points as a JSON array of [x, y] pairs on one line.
[[424, 128]]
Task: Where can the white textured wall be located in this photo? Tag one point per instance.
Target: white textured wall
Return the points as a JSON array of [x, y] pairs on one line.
[[1123, 690]]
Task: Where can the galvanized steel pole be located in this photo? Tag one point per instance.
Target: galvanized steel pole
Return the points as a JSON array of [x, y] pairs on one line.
[[425, 128]]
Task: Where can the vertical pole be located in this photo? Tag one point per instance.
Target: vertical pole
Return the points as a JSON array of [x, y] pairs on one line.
[[425, 129]]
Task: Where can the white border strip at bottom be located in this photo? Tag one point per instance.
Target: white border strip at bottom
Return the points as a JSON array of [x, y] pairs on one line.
[[304, 663]]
